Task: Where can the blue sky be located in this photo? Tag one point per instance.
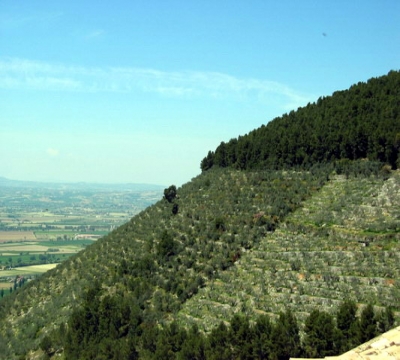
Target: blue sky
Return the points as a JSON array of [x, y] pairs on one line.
[[140, 91]]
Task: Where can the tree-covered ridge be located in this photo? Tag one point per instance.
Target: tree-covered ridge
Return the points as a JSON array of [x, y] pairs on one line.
[[361, 122], [150, 271], [161, 257], [342, 241]]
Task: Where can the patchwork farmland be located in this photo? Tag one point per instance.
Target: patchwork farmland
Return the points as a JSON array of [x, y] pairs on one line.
[[44, 224]]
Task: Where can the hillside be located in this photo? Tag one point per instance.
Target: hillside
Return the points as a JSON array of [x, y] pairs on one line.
[[342, 242], [261, 257], [225, 257], [361, 122]]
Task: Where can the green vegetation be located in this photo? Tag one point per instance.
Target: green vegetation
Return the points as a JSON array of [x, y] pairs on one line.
[[319, 254], [235, 264], [110, 327], [170, 193], [48, 223], [362, 122]]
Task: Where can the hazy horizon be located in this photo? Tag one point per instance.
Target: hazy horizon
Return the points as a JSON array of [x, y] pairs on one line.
[[58, 182]]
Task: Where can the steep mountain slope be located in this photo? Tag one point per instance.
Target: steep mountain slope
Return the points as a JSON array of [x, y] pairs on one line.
[[361, 122], [255, 241], [225, 256], [343, 242], [221, 213]]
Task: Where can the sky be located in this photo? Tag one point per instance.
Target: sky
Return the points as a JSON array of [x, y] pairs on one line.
[[132, 91]]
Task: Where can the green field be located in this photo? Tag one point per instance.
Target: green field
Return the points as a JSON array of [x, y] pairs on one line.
[[13, 278], [28, 270], [44, 225], [30, 259]]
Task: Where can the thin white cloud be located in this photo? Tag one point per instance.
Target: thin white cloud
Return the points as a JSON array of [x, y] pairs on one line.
[[26, 74], [95, 34], [52, 152]]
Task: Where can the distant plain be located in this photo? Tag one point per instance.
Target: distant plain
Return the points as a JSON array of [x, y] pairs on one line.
[[42, 224]]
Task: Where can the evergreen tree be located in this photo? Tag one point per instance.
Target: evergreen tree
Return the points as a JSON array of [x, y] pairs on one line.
[[219, 344], [368, 324], [241, 337], [348, 325], [262, 338], [385, 320], [170, 193], [285, 337], [167, 246], [320, 335], [194, 346]]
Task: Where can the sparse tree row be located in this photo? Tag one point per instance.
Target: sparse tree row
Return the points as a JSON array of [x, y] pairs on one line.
[[362, 122]]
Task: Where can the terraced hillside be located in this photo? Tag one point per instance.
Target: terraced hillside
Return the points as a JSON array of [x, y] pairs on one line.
[[230, 242], [162, 257], [343, 242]]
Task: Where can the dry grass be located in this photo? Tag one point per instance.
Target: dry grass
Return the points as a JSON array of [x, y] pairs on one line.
[[22, 248], [27, 270], [6, 236], [37, 268]]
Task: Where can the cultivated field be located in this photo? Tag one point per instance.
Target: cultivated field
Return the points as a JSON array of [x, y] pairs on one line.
[[43, 225], [27, 270], [13, 236]]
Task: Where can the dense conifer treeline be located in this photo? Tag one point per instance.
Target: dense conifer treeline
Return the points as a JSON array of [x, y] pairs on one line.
[[109, 327], [361, 122]]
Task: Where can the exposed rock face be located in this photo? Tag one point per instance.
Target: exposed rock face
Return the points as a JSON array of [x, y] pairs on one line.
[[383, 347]]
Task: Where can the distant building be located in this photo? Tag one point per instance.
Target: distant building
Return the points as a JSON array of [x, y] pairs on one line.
[[87, 237]]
